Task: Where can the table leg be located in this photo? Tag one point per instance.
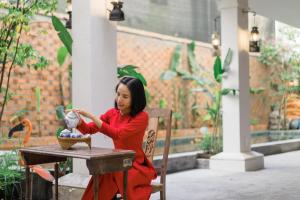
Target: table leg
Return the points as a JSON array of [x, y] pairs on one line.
[[125, 175], [56, 180], [96, 186], [28, 183]]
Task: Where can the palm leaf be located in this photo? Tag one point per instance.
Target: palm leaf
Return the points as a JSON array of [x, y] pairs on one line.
[[63, 33]]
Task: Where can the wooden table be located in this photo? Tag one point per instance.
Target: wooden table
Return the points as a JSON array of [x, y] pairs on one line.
[[98, 160]]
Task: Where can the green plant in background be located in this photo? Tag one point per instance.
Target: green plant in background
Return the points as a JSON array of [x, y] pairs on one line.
[[11, 174], [206, 144], [38, 108], [62, 53], [14, 21], [283, 59], [173, 74]]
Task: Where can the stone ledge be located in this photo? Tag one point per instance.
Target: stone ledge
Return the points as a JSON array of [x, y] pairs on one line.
[[270, 148]]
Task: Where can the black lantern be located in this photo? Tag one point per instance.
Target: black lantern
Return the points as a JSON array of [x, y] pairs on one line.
[[254, 40], [215, 37], [254, 37], [254, 34], [69, 11], [69, 21], [116, 14]]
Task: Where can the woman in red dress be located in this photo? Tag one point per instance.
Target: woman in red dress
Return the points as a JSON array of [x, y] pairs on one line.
[[126, 125]]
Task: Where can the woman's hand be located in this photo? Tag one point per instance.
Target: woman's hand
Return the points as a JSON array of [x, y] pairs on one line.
[[86, 114]]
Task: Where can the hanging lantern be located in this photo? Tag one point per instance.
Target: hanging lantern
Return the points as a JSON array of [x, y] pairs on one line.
[[116, 14]]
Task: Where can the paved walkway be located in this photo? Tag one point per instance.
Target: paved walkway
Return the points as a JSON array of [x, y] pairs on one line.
[[280, 180]]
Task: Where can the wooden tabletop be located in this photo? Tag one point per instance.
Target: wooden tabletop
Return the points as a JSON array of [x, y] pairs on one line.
[[82, 152]]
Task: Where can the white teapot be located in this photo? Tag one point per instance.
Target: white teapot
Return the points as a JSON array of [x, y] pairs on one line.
[[72, 119]]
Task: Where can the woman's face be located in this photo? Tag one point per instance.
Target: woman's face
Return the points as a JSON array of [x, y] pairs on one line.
[[123, 99]]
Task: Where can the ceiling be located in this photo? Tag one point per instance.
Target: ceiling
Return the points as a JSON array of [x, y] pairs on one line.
[[287, 11]]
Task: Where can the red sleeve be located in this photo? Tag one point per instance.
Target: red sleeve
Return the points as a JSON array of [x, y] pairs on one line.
[[136, 125], [92, 127]]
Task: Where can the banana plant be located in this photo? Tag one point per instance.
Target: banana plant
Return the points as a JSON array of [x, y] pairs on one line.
[[38, 108], [130, 70], [63, 34]]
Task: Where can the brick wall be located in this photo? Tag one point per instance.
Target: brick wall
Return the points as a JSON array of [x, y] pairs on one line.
[[151, 52], [24, 81]]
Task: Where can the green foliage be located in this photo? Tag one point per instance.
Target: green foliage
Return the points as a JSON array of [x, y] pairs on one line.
[[8, 97], [173, 68], [168, 75], [193, 65], [63, 33], [218, 69], [254, 121], [227, 60], [27, 53], [58, 131], [256, 90], [175, 61], [130, 70], [10, 173], [62, 53], [60, 112], [210, 144], [14, 21], [162, 103], [205, 143], [38, 98], [269, 54], [283, 62]]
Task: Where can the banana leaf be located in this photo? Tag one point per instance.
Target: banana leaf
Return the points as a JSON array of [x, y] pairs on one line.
[[130, 70], [218, 70], [227, 60], [175, 61], [61, 55], [63, 33]]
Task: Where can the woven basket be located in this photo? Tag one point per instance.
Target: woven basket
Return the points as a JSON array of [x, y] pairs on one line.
[[67, 143]]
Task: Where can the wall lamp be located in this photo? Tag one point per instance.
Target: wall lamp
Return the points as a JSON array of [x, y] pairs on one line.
[[69, 11], [116, 14], [254, 34], [215, 37]]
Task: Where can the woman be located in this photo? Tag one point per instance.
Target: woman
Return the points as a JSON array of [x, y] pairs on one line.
[[126, 125]]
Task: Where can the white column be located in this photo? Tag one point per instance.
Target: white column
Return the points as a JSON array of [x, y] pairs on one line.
[[237, 154], [94, 63]]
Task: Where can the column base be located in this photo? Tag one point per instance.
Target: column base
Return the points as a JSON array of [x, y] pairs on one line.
[[239, 162]]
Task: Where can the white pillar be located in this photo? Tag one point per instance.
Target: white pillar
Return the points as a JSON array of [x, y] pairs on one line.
[[94, 63], [237, 154]]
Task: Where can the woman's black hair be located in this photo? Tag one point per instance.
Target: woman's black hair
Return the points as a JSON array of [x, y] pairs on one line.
[[138, 98]]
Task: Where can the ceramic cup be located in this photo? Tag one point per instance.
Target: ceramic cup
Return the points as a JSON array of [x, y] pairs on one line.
[[72, 119]]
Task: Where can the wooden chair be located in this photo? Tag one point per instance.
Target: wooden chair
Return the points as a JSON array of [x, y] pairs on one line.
[[151, 136]]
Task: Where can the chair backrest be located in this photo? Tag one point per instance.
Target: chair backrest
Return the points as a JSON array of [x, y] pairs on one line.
[[151, 136]]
